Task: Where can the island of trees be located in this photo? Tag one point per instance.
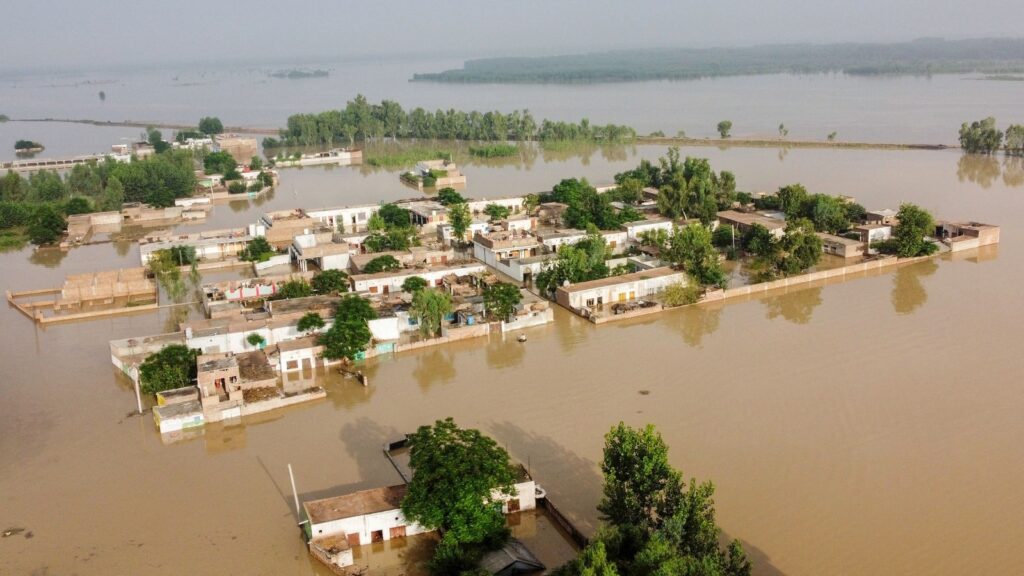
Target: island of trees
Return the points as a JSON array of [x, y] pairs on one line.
[[298, 74], [25, 146], [983, 137], [922, 57], [360, 120]]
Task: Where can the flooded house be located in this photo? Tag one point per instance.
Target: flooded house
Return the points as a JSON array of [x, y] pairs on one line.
[[620, 294], [840, 245]]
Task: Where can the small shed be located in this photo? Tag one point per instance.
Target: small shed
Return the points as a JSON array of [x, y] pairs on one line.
[[511, 559]]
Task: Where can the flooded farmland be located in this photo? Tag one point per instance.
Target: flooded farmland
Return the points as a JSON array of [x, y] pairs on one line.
[[866, 427]]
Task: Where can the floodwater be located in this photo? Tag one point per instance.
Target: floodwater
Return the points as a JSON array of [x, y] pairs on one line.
[[873, 109], [869, 427]]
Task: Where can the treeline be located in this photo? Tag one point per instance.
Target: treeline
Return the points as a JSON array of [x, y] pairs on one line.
[[928, 56], [983, 137], [40, 203], [360, 121]]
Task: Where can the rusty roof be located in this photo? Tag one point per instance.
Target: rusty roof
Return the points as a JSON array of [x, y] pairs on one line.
[[355, 504]]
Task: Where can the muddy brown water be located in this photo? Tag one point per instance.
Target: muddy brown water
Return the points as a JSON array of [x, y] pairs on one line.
[[868, 427]]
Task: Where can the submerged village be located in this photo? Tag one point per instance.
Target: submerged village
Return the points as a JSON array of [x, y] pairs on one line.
[[341, 286]]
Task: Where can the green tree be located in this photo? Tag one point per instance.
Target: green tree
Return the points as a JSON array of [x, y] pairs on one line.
[[497, 211], [156, 140], [14, 187], [638, 480], [310, 322], [257, 250], [448, 196], [692, 248], [113, 195], [914, 224], [413, 284], [458, 215], [376, 223], [255, 339], [801, 247], [174, 366], [211, 125], [46, 186], [255, 163], [828, 213], [219, 163], [680, 294], [793, 200], [345, 339], [354, 307], [183, 255], [592, 561], [430, 307], [981, 136], [1015, 140], [724, 127], [384, 263], [77, 205], [457, 477], [330, 282], [293, 288], [722, 237], [46, 225], [394, 216], [501, 299]]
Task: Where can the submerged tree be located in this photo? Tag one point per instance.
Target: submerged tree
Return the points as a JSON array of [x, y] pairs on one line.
[[430, 307], [458, 477], [981, 136]]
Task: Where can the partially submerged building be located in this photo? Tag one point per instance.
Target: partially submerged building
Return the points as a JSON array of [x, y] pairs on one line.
[[840, 245], [620, 294], [742, 222]]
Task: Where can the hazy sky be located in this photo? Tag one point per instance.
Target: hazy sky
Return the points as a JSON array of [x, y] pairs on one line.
[[105, 32]]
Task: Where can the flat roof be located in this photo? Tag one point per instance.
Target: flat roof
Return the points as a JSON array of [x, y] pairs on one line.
[[871, 226], [749, 219], [613, 280], [660, 220], [355, 504], [838, 239]]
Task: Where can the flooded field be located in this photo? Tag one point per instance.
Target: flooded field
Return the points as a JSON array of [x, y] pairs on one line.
[[869, 427]]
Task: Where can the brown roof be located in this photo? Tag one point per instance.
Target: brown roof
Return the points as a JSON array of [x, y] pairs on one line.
[[749, 219], [355, 504]]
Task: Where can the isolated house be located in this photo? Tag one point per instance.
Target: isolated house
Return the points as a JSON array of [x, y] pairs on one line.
[[744, 221]]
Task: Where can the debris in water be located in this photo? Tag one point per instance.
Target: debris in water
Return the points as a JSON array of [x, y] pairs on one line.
[[12, 532], [29, 534], [645, 392]]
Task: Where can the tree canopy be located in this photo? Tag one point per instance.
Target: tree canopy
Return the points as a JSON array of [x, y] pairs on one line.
[[447, 196], [458, 215], [350, 334], [257, 250], [657, 523], [692, 248], [414, 284], [330, 282], [310, 322], [174, 366], [46, 225], [724, 127], [383, 263], [914, 224], [981, 136], [361, 120], [578, 262], [501, 299], [457, 474], [429, 307], [210, 125]]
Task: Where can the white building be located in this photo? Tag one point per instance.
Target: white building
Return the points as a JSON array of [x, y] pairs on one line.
[[635, 229], [387, 282], [321, 250], [354, 218], [625, 288]]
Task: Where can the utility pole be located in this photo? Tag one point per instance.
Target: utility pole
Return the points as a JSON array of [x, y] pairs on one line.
[[136, 376], [295, 493]]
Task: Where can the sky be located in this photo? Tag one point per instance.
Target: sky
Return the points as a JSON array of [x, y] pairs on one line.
[[108, 33]]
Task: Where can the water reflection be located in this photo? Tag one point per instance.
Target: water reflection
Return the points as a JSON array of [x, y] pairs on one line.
[[796, 307], [1013, 171], [696, 322], [504, 352], [980, 169], [783, 152], [434, 367], [908, 293], [48, 257]]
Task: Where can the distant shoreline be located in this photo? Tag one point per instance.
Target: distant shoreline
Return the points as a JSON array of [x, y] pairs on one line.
[[139, 124], [644, 140]]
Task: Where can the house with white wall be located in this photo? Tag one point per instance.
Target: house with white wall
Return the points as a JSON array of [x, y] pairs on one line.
[[352, 218], [391, 281], [638, 227], [617, 289]]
